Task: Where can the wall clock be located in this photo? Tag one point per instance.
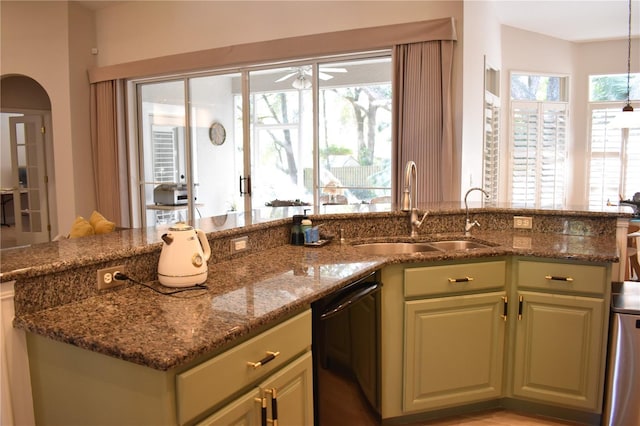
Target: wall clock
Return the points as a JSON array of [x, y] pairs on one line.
[[217, 133]]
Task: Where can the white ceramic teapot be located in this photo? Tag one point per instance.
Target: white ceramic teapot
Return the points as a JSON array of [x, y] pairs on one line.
[[183, 260]]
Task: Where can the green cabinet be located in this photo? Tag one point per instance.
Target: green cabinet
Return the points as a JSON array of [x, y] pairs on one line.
[[523, 333], [293, 390], [560, 333], [443, 335], [103, 390]]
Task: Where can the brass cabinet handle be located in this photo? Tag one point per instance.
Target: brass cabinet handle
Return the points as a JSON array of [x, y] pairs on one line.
[[520, 303], [269, 357], [505, 308], [263, 410], [460, 280], [274, 407], [557, 278]]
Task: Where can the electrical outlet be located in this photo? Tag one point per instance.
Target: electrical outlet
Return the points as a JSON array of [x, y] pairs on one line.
[[521, 242], [239, 244], [106, 279], [522, 222]]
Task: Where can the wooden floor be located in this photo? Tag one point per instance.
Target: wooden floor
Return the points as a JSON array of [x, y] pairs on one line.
[[348, 410], [496, 418]]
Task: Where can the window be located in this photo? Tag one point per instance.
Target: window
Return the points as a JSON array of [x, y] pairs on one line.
[[614, 162], [354, 137], [311, 140], [539, 113]]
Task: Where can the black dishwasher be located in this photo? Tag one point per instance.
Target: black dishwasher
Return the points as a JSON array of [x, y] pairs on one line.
[[346, 354]]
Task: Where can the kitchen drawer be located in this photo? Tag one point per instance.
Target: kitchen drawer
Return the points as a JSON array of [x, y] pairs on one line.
[[568, 277], [209, 383], [458, 278]]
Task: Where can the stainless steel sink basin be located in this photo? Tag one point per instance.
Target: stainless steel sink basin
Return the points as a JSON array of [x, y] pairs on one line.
[[395, 248], [389, 248], [457, 245]]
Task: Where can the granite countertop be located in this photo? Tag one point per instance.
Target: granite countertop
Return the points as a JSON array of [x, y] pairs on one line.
[[45, 258], [245, 294]]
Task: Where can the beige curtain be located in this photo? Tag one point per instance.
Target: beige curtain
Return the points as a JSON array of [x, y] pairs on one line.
[[423, 122], [106, 132]]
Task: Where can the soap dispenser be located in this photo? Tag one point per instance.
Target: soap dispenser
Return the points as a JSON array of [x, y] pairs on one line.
[[297, 237], [307, 227]]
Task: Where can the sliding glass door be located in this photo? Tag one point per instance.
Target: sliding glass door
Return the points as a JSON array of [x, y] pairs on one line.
[[354, 132], [281, 138], [305, 134], [163, 153], [189, 168]]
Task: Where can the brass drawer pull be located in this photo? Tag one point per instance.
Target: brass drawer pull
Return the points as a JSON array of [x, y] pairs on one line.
[[460, 280], [270, 356], [556, 278]]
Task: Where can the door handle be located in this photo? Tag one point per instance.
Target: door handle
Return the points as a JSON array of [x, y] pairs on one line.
[[246, 188]]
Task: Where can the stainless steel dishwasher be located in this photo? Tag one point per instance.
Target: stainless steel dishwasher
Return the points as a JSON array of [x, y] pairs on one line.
[[346, 353], [622, 403]]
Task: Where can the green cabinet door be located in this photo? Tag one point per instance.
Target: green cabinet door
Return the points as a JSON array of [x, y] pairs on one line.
[[558, 350], [453, 350], [293, 386], [244, 411]]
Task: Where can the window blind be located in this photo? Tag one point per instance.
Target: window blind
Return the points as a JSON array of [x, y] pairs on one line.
[[539, 152], [491, 171], [614, 163]]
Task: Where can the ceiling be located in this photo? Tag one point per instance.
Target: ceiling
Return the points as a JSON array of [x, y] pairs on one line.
[[571, 20]]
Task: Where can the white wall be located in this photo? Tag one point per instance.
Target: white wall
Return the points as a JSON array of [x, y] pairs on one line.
[[36, 39], [482, 38], [127, 33]]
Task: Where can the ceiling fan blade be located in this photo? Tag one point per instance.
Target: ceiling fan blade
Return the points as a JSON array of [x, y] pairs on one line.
[[323, 76], [286, 77], [329, 69]]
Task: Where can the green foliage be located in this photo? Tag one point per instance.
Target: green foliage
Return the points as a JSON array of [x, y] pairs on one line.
[[612, 87], [335, 150]]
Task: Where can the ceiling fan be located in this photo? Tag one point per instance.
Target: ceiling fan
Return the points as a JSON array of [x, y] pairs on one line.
[[301, 75]]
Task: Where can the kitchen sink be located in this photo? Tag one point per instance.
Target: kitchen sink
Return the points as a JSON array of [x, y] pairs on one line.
[[389, 248], [454, 245], [394, 248]]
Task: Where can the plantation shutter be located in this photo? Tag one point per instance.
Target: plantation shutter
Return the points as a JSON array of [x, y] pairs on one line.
[[491, 172], [539, 152], [613, 164], [166, 168]]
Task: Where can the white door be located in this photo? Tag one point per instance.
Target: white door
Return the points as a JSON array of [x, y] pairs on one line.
[[29, 179]]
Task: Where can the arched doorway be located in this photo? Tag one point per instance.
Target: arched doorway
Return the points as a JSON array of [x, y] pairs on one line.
[[26, 172]]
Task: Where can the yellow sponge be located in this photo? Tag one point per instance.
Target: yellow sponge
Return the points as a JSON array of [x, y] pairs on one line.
[[100, 224], [81, 228]]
